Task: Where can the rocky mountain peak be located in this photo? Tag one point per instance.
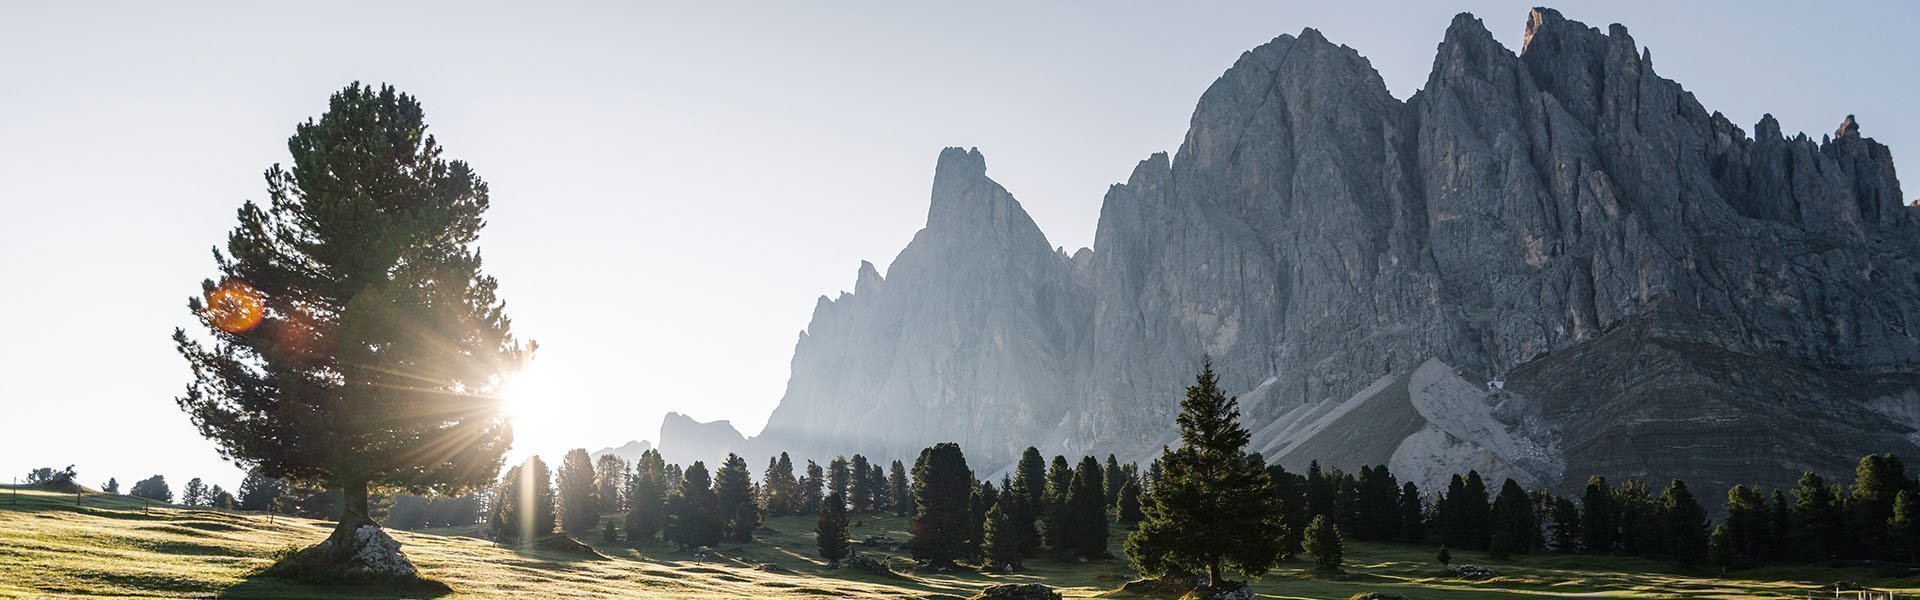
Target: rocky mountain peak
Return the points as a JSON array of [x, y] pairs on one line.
[[1848, 128]]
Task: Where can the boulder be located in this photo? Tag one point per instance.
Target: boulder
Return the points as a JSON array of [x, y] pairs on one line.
[[1017, 591]]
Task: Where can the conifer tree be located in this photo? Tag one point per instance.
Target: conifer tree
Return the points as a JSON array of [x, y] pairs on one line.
[[1213, 508], [840, 480], [1566, 525], [112, 486], [355, 342], [1475, 511], [579, 510], [783, 489], [259, 492], [1002, 545], [811, 489], [877, 481], [1598, 530], [523, 503], [942, 488], [1291, 491], [152, 488], [1903, 526], [693, 513], [1053, 511], [610, 473], [1780, 515], [1411, 512], [1641, 530], [1877, 479], [1324, 544], [647, 498], [1030, 487], [859, 486], [897, 490], [733, 491], [1684, 524], [195, 493], [1126, 509], [222, 499], [1111, 480], [1513, 522], [831, 531], [1720, 548], [1748, 524], [1320, 491], [978, 505], [1085, 513], [1817, 522]]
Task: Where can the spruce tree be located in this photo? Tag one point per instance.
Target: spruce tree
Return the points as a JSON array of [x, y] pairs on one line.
[[647, 498], [1475, 512], [1514, 526], [693, 515], [1641, 530], [1029, 484], [1903, 526], [897, 490], [1780, 516], [1126, 509], [877, 481], [1684, 524], [1748, 524], [1291, 491], [259, 492], [978, 505], [1324, 544], [1002, 545], [1721, 548], [354, 342], [523, 503], [783, 488], [1566, 525], [1411, 512], [1085, 513], [831, 531], [733, 491], [840, 480], [1598, 530], [579, 509], [1111, 480], [1054, 505], [942, 487], [1320, 491], [811, 489], [1817, 522], [1212, 508], [610, 482], [859, 486], [1877, 479]]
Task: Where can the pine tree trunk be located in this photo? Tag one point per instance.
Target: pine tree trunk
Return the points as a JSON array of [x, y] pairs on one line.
[[1213, 575], [353, 516]]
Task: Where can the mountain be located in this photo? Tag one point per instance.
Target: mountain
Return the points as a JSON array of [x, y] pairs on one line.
[[684, 440], [629, 451], [1542, 265]]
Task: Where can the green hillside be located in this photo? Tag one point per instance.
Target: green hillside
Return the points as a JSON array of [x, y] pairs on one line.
[[113, 546]]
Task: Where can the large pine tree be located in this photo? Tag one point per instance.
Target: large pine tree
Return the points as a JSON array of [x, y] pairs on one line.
[[1085, 513], [859, 486], [1054, 502], [523, 503], [898, 490], [354, 341], [733, 491], [1029, 489], [830, 532], [1683, 525], [942, 490], [1212, 507], [647, 498], [693, 515]]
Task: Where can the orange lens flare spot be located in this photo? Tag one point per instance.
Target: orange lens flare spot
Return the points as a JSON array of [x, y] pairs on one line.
[[234, 307]]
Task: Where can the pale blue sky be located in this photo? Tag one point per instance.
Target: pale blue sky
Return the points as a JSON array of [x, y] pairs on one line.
[[673, 185]]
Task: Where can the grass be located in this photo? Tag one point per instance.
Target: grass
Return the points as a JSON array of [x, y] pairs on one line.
[[113, 546]]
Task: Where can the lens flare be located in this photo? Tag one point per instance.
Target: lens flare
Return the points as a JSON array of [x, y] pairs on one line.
[[234, 307]]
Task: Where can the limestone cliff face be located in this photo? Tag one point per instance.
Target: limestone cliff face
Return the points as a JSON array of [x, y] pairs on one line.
[[1542, 265]]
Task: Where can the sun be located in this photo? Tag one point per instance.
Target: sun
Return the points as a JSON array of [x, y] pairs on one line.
[[534, 400]]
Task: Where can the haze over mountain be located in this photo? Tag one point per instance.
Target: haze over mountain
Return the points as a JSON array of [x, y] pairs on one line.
[[1543, 265]]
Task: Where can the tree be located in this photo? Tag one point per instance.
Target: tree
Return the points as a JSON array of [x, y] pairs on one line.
[[810, 489], [1030, 489], [259, 492], [577, 483], [897, 490], [610, 482], [1212, 507], [782, 488], [647, 498], [877, 481], [860, 486], [981, 502], [152, 488], [1513, 522], [1126, 509], [1002, 544], [1324, 543], [1817, 522], [733, 490], [1085, 513], [1320, 490], [1598, 530], [1291, 491], [112, 486], [1722, 552], [840, 480], [1111, 480], [1877, 479], [1641, 529], [355, 342], [1903, 526], [1054, 504], [1445, 556], [221, 498], [523, 503], [1566, 525], [50, 478], [942, 488], [1411, 512], [1747, 526], [1684, 524], [831, 531], [195, 493], [693, 513]]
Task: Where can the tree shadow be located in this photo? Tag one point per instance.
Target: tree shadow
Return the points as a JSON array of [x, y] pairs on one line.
[[262, 586]]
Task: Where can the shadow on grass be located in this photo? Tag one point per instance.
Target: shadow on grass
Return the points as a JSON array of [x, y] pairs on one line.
[[262, 586]]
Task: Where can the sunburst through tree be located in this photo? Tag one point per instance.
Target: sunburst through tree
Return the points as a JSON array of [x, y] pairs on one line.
[[352, 340]]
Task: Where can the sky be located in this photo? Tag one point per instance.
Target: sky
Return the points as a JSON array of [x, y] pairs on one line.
[[674, 184]]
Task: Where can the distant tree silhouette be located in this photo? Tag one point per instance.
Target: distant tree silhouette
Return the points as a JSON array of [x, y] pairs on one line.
[[1411, 510], [1817, 523], [898, 490], [1029, 488], [840, 480], [222, 499], [831, 531], [942, 489], [1903, 527], [1514, 526], [1683, 524], [859, 486], [1214, 506], [523, 503], [610, 479], [1598, 526], [354, 341], [1084, 531], [647, 498], [781, 487], [152, 488], [112, 486], [194, 493], [1054, 505], [259, 492], [811, 488]]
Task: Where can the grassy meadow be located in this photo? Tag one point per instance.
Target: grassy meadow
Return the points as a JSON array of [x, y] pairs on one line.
[[115, 546]]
